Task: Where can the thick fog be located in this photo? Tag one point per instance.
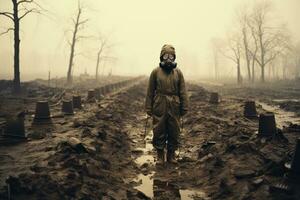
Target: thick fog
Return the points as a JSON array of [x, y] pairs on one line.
[[135, 30]]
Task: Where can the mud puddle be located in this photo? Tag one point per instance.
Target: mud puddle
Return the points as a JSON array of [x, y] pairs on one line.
[[153, 188], [146, 185], [153, 183], [286, 100], [146, 158], [283, 118]]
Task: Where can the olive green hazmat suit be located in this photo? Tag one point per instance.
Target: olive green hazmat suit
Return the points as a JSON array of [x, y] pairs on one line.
[[166, 102]]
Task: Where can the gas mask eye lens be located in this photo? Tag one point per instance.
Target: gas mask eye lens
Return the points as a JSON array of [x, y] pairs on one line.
[[168, 56], [165, 56]]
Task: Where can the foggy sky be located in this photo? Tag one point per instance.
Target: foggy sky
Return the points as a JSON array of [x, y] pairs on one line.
[[137, 28]]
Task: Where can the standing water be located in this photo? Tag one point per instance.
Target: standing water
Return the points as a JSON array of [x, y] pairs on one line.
[[155, 186], [283, 118]]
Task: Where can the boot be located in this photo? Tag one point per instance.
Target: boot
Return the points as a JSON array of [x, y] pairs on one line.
[[160, 157], [171, 157]]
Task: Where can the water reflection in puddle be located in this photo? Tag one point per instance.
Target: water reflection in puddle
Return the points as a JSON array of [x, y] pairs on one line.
[[286, 100], [146, 181], [147, 156], [152, 185], [146, 185], [144, 159], [155, 188]]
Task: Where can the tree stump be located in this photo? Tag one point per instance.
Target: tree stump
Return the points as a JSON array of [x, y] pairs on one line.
[[77, 101], [67, 107], [214, 98], [267, 125], [250, 109]]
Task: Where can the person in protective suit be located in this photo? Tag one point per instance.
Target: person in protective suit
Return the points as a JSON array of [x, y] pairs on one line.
[[166, 102]]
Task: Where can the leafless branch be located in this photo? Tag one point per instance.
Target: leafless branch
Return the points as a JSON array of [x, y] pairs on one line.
[[69, 42], [7, 14], [37, 8], [83, 22], [33, 10], [272, 57], [25, 1], [9, 29], [225, 54], [74, 21]]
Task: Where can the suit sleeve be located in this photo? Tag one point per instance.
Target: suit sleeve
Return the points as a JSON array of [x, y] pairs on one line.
[[183, 95], [150, 93]]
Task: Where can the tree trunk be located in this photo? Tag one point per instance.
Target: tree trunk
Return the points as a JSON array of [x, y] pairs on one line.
[[263, 74], [247, 53], [284, 73], [273, 71], [253, 70], [216, 65], [97, 65], [270, 72], [49, 78], [239, 78], [69, 75], [262, 69], [248, 67], [16, 82], [277, 73], [262, 53]]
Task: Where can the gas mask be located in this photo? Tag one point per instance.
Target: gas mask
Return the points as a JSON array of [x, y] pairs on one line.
[[168, 61]]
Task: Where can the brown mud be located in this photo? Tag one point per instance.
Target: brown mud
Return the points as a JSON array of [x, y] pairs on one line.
[[284, 94], [104, 151]]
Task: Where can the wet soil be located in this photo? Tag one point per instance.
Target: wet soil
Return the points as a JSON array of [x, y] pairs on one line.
[[82, 156], [282, 93], [104, 151]]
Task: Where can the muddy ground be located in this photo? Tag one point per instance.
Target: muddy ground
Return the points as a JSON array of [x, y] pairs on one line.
[[104, 151], [283, 93]]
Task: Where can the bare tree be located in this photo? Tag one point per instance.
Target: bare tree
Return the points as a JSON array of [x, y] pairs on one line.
[[21, 8], [99, 54], [246, 51], [102, 53], [273, 68], [284, 64], [78, 25], [216, 45], [252, 49], [295, 57], [269, 40], [285, 60], [233, 51], [243, 20]]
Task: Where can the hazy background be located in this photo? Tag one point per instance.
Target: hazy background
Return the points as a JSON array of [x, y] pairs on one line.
[[137, 28]]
